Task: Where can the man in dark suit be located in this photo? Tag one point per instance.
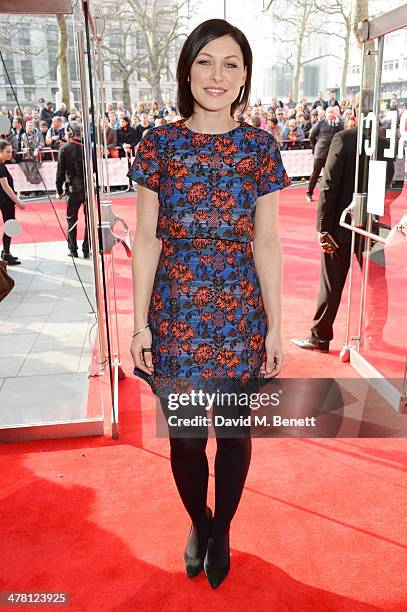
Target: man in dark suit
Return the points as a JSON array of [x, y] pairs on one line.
[[336, 194], [70, 174], [332, 101], [321, 137]]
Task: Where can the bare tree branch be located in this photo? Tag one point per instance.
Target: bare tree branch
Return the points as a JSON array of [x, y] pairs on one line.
[[140, 40]]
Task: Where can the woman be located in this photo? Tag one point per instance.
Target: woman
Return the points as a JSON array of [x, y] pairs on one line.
[[139, 108], [205, 188], [111, 137], [126, 137], [304, 123], [8, 200], [155, 110], [292, 134], [17, 112]]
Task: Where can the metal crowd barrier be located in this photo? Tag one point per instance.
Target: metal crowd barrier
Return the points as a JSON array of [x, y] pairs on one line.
[[298, 164], [290, 145]]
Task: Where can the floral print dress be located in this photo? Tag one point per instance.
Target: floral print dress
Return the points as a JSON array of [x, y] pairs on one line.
[[206, 312]]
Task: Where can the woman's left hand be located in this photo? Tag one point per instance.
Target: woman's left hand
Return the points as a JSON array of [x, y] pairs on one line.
[[275, 355]]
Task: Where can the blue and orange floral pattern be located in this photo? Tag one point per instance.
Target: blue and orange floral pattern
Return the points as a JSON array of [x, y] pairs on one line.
[[206, 312]]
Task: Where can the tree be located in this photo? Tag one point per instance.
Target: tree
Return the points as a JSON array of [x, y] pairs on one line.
[[62, 58], [301, 18], [140, 40], [341, 9], [360, 12], [15, 43]]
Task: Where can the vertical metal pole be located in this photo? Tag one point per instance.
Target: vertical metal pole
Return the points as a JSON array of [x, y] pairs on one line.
[[376, 110], [90, 194], [99, 64], [356, 189], [224, 10], [360, 119]]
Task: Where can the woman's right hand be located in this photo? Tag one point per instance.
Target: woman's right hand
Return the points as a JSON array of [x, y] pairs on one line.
[[142, 340], [20, 204]]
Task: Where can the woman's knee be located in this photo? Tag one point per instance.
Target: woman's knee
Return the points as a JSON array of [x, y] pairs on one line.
[[242, 444], [187, 447]]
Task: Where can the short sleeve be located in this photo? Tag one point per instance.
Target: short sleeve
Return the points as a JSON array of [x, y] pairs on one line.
[[271, 174], [145, 168], [3, 171]]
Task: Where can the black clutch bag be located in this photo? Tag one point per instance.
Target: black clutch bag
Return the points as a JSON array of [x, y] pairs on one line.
[[141, 374]]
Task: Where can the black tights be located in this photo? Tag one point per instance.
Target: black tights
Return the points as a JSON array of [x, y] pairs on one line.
[[189, 465], [190, 469]]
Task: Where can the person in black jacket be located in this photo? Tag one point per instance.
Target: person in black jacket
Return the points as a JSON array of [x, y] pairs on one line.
[[332, 101], [126, 137], [15, 138], [62, 112], [47, 113], [320, 101], [321, 136], [70, 173], [143, 126], [336, 194]]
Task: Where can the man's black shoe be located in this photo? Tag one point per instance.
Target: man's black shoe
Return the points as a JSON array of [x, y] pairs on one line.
[[86, 255], [311, 344], [73, 254]]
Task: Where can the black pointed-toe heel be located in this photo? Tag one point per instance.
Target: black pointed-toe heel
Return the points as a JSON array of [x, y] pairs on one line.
[[216, 575], [194, 565]]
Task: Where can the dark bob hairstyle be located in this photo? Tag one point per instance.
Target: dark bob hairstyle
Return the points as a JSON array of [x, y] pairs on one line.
[[4, 144], [198, 38]]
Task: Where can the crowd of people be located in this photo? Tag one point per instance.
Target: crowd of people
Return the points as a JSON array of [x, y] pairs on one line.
[[39, 131]]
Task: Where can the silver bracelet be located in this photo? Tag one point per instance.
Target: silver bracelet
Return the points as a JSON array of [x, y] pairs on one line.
[[140, 330]]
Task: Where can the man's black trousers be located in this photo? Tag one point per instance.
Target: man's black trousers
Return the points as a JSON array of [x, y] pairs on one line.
[[334, 270], [316, 170], [75, 200]]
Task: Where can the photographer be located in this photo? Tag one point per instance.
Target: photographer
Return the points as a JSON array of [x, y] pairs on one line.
[[70, 173], [15, 138], [56, 134]]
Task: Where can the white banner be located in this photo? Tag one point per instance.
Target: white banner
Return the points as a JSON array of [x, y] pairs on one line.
[[117, 169], [297, 164], [47, 170]]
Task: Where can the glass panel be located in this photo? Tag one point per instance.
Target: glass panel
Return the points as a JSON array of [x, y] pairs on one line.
[[356, 268], [383, 312], [54, 367]]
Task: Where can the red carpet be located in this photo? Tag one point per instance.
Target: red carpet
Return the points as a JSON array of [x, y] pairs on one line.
[[320, 525]]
